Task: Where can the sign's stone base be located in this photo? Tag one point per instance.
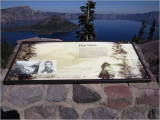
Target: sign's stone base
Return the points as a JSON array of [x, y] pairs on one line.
[[51, 101]]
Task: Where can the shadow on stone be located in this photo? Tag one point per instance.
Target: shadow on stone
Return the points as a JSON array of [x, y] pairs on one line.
[[12, 114], [153, 114]]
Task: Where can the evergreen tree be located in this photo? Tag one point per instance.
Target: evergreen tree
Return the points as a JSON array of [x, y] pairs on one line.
[[152, 30], [6, 50], [134, 39], [87, 31], [141, 31]]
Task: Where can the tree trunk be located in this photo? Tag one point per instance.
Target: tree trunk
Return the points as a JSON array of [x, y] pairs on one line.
[[88, 14]]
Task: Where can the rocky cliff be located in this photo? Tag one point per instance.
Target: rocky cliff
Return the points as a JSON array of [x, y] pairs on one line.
[[20, 16]]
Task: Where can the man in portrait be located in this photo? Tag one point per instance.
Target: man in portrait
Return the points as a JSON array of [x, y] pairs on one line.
[[48, 67]]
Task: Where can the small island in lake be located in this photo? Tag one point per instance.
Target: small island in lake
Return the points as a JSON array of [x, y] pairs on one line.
[[53, 24]]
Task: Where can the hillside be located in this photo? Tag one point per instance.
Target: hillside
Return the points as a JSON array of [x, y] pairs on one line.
[[48, 26], [23, 15], [149, 17], [53, 24]]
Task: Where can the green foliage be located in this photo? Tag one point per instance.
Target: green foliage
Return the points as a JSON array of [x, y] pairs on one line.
[[141, 31], [139, 38], [6, 50], [86, 25], [134, 38], [152, 30]]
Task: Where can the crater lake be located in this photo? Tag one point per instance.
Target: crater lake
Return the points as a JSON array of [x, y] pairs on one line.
[[106, 30]]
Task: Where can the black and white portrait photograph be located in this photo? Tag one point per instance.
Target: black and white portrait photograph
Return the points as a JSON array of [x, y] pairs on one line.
[[47, 67]]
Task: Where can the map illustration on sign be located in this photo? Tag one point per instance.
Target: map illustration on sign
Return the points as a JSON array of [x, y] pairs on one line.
[[76, 60]]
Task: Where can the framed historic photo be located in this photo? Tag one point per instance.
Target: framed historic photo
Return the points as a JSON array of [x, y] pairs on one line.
[[76, 62]]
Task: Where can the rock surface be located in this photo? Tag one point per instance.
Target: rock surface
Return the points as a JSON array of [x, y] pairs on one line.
[[3, 91], [150, 85], [99, 113], [118, 91], [119, 96], [44, 111], [56, 93], [118, 104], [24, 96], [21, 15], [68, 113], [134, 113], [148, 96], [83, 94], [5, 109]]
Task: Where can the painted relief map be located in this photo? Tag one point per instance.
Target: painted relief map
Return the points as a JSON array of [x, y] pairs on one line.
[[76, 60]]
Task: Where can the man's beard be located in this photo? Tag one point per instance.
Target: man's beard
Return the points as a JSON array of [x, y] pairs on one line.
[[47, 68]]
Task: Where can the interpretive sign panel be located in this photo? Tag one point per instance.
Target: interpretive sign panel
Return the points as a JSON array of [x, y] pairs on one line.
[[76, 62]]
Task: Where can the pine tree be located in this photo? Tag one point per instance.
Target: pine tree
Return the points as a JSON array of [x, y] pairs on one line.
[[87, 31], [141, 31], [6, 50], [134, 39], [152, 30]]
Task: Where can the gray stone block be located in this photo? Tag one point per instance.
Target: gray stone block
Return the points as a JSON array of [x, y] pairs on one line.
[[83, 94], [68, 113], [44, 111], [134, 113], [99, 113], [24, 96], [56, 93]]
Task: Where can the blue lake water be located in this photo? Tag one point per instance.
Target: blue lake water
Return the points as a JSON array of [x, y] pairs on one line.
[[106, 30]]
